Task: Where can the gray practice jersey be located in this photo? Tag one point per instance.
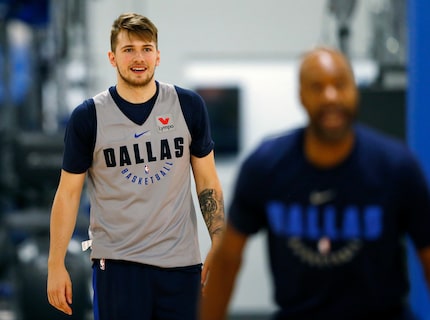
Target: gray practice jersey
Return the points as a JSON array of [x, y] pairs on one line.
[[140, 185]]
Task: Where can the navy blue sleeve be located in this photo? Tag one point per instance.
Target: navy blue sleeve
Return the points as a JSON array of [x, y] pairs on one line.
[[247, 213], [79, 139], [416, 201], [197, 119]]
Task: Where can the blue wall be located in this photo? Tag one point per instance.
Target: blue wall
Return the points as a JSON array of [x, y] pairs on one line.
[[418, 123]]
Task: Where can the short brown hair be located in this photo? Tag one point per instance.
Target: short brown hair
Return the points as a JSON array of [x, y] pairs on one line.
[[135, 24]]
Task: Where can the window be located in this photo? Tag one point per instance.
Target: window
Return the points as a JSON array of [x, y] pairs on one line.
[[223, 109]]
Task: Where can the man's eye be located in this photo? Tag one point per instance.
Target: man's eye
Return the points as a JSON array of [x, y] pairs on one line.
[[342, 84], [316, 87]]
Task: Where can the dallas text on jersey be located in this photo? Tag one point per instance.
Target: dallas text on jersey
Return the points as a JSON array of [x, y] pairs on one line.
[[143, 154]]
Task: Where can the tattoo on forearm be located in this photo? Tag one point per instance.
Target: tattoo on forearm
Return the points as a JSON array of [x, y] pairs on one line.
[[212, 208]]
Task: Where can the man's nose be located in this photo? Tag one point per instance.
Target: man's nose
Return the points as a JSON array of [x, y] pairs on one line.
[[331, 92], [139, 55]]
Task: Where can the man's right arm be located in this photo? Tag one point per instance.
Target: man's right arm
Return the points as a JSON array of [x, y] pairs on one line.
[[222, 277], [62, 224]]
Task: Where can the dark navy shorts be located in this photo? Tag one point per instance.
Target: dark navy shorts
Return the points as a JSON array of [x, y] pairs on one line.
[[400, 312], [132, 291]]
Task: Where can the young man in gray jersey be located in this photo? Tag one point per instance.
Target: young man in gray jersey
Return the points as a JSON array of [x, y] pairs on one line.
[[136, 143]]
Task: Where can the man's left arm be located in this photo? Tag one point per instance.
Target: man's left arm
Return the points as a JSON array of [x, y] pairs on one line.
[[415, 200], [210, 196]]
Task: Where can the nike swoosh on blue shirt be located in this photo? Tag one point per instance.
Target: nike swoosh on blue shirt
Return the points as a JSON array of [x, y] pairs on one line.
[[320, 197], [137, 135]]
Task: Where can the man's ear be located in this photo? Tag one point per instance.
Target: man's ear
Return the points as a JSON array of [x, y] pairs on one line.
[[111, 57], [301, 96], [157, 63]]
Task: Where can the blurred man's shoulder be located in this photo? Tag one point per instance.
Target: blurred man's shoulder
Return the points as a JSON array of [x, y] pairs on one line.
[[281, 143], [379, 138]]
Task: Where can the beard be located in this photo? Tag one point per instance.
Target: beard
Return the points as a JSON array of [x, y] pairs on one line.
[[332, 135], [136, 83]]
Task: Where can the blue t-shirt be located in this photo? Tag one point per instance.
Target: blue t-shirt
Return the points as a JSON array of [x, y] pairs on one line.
[[335, 236], [80, 135]]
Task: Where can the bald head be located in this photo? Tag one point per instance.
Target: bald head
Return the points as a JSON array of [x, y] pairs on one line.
[[324, 59], [328, 93]]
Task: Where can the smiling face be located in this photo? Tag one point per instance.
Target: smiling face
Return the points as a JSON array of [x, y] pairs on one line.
[[329, 94], [135, 57]]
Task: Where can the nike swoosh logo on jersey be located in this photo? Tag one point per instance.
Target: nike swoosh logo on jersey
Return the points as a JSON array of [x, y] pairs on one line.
[[137, 135], [320, 197]]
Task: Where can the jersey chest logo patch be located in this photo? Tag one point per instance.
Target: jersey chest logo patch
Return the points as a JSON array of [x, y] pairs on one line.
[[165, 123]]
